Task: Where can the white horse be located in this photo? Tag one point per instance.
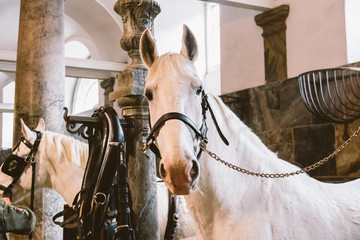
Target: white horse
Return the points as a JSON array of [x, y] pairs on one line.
[[61, 161], [227, 204]]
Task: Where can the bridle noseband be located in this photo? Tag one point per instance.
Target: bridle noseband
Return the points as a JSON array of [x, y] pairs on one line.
[[200, 133]]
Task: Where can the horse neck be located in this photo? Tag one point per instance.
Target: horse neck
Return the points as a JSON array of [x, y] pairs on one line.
[[217, 181], [249, 151], [64, 158]]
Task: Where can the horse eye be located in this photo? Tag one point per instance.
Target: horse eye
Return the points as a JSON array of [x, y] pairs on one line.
[[148, 95], [199, 90]]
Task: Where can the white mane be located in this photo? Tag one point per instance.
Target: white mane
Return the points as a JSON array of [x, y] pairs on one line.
[[65, 147], [61, 160]]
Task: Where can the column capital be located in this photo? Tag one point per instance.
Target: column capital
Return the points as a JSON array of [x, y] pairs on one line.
[[136, 16], [274, 34], [108, 86], [273, 20]]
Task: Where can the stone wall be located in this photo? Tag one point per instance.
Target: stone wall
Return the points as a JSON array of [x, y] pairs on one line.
[[276, 113]]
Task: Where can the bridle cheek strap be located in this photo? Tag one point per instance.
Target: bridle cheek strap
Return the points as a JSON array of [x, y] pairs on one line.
[[206, 106], [199, 132]]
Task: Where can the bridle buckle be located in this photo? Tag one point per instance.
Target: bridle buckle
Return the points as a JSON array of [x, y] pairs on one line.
[[145, 147]]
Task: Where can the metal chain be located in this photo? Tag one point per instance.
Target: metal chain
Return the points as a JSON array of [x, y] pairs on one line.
[[283, 175]]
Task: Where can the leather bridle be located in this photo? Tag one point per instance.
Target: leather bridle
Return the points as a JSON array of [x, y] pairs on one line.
[[29, 159], [200, 133]]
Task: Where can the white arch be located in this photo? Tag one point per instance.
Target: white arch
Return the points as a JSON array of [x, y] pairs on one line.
[[101, 34]]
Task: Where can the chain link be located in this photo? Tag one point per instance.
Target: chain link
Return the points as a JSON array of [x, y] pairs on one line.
[[283, 175]]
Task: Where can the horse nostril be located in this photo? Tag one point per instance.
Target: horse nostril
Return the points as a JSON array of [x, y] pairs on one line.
[[162, 171], [194, 172]]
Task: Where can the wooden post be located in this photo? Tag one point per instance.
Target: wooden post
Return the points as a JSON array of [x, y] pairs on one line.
[[137, 15], [274, 34]]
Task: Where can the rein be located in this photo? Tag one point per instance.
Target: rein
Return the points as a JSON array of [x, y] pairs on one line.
[[14, 161], [201, 134], [16, 167], [283, 175]]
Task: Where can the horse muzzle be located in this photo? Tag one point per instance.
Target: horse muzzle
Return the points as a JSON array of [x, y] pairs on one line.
[[182, 179]]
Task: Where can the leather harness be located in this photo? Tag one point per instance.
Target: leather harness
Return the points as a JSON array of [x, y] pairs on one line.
[[30, 159]]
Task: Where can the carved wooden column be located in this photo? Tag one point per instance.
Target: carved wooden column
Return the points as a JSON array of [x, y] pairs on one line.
[[274, 34], [137, 15], [108, 86]]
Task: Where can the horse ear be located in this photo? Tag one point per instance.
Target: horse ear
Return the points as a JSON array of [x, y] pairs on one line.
[[41, 125], [26, 130], [189, 47], [148, 49]]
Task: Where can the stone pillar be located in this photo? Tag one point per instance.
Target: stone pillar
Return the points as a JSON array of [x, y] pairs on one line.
[[274, 34], [137, 15], [108, 86], [39, 86], [40, 67]]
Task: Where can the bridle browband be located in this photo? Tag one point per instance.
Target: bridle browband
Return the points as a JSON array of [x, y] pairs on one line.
[[200, 133], [29, 159]]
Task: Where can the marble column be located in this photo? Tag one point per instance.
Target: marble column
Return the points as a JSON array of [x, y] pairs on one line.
[[108, 86], [137, 15], [274, 34], [39, 85], [40, 67]]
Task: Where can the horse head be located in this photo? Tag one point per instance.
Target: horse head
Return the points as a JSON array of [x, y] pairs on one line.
[[23, 150], [174, 92]]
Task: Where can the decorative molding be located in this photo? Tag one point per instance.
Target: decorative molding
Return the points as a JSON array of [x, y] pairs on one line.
[[108, 86], [6, 107], [273, 20], [81, 125], [136, 16], [258, 5], [79, 68]]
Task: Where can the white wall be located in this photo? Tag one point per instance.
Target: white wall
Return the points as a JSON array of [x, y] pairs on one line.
[[9, 24], [316, 36], [98, 27], [352, 18], [242, 50], [168, 27]]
